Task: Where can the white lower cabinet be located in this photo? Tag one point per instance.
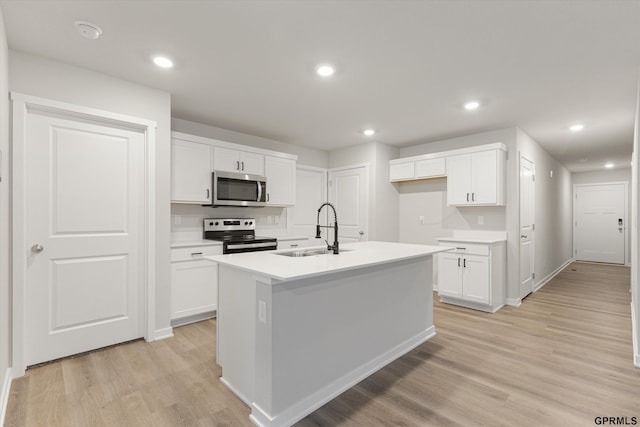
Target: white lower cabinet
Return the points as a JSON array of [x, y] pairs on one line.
[[194, 284], [473, 274]]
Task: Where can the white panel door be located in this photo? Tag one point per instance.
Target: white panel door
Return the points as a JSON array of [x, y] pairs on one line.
[[349, 193], [311, 193], [484, 177], [450, 274], [475, 281], [281, 181], [459, 180], [190, 172], [600, 223], [527, 210], [84, 230]]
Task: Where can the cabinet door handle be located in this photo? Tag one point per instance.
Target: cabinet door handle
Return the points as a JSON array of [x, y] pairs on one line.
[[207, 193], [237, 165], [464, 263], [242, 165], [467, 197], [473, 197], [294, 245], [196, 253], [461, 248], [267, 197], [458, 262]]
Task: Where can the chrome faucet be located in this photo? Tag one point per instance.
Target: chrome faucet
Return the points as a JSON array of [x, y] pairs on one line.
[[333, 247]]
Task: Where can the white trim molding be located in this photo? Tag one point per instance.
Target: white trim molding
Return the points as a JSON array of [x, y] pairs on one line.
[[4, 394], [513, 302], [22, 106], [554, 273], [160, 334], [634, 333], [309, 404]]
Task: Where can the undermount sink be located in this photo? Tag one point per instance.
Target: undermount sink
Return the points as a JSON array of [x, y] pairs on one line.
[[309, 252]]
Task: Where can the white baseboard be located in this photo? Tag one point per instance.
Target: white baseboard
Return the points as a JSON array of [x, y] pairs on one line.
[[4, 394], [513, 302], [160, 334], [554, 273], [309, 404], [634, 333]]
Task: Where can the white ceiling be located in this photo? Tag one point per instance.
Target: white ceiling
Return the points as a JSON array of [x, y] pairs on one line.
[[403, 67]]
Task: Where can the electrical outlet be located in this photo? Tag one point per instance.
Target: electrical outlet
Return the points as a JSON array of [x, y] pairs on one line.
[[262, 311], [177, 219], [421, 219], [480, 219], [269, 219], [276, 220]]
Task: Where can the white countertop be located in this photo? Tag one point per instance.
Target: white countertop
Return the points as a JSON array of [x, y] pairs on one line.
[[352, 256], [189, 243], [470, 240]]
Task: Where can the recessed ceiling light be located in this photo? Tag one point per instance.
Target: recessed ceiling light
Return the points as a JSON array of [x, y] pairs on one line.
[[163, 62], [471, 105], [88, 30], [609, 165], [576, 128], [369, 132], [325, 70]]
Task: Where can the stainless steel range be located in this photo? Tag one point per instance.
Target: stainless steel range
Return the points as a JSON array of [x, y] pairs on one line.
[[237, 235]]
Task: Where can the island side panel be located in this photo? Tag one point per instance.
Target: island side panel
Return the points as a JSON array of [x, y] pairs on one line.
[[236, 330], [329, 332]]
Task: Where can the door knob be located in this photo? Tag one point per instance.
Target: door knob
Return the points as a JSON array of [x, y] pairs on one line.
[[523, 236], [37, 248], [361, 232]]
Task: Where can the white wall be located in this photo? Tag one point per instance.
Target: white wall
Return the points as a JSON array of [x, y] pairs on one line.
[[635, 253], [383, 199], [5, 294], [554, 209], [42, 77], [610, 175]]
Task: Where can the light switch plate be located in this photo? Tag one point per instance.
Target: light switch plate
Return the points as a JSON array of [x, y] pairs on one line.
[[262, 311]]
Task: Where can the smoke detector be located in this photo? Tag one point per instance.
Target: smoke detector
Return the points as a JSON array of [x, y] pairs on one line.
[[88, 30]]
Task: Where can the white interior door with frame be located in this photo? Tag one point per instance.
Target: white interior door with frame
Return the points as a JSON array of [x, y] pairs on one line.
[[527, 226], [349, 193], [600, 222], [82, 248]]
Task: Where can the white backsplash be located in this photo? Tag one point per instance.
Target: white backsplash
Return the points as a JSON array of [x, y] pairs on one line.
[[186, 220]]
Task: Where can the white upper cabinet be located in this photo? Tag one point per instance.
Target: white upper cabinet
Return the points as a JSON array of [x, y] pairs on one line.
[[476, 179], [416, 169], [231, 160], [281, 181], [190, 172], [475, 175]]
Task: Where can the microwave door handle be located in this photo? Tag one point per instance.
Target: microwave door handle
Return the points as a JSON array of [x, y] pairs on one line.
[[259, 191]]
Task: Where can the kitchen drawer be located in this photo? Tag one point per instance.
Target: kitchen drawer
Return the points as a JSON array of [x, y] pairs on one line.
[[467, 248], [194, 252]]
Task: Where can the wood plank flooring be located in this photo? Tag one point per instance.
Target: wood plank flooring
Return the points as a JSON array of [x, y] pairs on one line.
[[562, 359]]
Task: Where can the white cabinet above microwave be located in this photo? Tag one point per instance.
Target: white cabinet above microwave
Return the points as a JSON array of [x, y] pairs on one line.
[[230, 160]]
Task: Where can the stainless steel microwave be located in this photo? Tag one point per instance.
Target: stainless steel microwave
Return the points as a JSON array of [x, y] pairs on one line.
[[238, 189]]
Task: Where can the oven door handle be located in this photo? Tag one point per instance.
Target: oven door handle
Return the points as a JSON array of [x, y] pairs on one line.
[[259, 191], [251, 245]]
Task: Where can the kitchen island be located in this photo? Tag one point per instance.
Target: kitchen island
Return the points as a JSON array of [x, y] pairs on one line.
[[296, 331]]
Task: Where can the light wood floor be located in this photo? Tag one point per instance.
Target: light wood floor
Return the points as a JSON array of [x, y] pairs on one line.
[[561, 359]]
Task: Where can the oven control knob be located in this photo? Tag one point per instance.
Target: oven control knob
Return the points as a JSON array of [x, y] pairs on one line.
[[246, 223], [211, 223], [217, 223], [250, 222]]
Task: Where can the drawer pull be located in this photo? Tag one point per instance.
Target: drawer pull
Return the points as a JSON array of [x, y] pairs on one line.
[[463, 249], [196, 253], [294, 245]]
